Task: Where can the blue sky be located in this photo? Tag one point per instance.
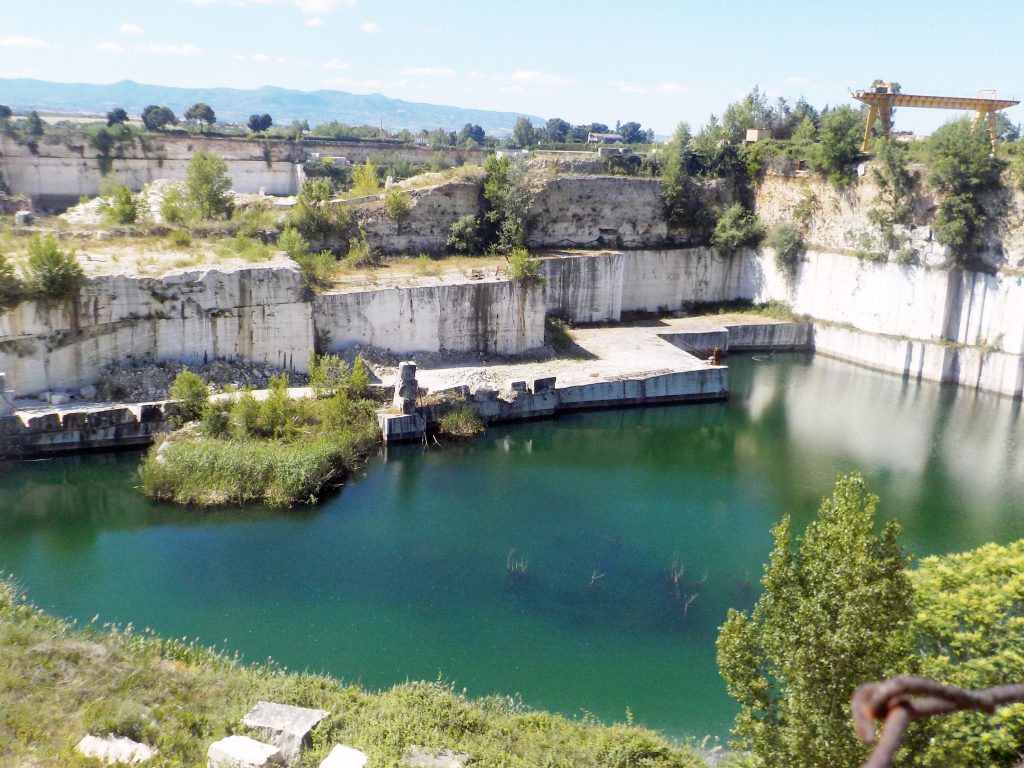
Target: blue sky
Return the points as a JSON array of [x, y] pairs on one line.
[[654, 62]]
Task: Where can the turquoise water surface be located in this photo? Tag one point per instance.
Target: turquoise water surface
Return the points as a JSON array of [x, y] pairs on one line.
[[403, 574]]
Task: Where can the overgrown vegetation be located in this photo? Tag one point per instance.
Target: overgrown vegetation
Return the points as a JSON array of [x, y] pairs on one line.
[[180, 697], [524, 268], [51, 274], [397, 206], [315, 216], [364, 180], [507, 200], [786, 240], [462, 422], [965, 172], [192, 395], [279, 451], [11, 288], [736, 229], [892, 210], [207, 186], [119, 205]]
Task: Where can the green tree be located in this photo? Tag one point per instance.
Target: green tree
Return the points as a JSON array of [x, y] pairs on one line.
[[201, 113], [466, 235], [11, 288], [119, 205], [116, 116], [364, 180], [971, 634], [314, 215], [156, 118], [557, 130], [787, 242], [471, 132], [508, 198], [5, 116], [893, 203], [207, 186], [963, 171], [34, 124], [752, 111], [833, 613], [397, 206], [677, 190], [192, 395], [632, 133], [51, 274], [737, 228], [523, 134], [260, 123], [840, 136]]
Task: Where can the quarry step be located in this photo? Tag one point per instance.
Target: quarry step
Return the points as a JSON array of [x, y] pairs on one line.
[[242, 752], [285, 726]]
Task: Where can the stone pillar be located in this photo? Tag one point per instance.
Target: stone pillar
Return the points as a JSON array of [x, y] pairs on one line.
[[406, 388]]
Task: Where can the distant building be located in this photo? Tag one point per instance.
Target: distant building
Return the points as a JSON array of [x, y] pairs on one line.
[[604, 138], [755, 135], [512, 154]]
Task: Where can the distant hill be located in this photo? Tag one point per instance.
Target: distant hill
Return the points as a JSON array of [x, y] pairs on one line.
[[235, 105]]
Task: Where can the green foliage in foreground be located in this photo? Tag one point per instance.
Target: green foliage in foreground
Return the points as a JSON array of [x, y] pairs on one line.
[[833, 614], [972, 634], [191, 393], [278, 451], [58, 682], [524, 268]]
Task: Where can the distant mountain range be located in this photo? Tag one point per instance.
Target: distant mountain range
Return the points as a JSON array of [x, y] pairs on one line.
[[235, 105]]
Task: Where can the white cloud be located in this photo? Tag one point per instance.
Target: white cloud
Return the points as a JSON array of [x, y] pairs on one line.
[[534, 76], [109, 48], [671, 88], [15, 41], [475, 75], [186, 49], [337, 64], [428, 72], [316, 7], [316, 21], [365, 85], [128, 28], [370, 27], [797, 80]]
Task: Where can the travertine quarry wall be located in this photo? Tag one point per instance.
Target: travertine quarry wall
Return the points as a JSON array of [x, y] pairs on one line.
[[431, 215], [491, 317]]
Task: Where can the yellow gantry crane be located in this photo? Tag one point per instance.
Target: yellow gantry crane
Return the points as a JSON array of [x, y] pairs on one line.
[[882, 98]]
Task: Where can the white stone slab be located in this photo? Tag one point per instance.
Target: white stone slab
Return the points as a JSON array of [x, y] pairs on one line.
[[283, 725], [344, 757], [242, 752], [114, 749]]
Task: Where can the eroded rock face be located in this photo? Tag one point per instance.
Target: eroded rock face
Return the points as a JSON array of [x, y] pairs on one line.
[[285, 726], [242, 752], [114, 750]]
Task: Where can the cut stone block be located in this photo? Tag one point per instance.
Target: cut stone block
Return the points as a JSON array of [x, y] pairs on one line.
[[285, 726], [114, 749], [242, 752], [344, 757], [422, 757]]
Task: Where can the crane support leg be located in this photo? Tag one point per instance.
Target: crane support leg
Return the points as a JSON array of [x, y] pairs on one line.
[[869, 126]]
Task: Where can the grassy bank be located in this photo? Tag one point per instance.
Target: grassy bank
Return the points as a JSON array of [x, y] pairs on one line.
[[279, 451], [58, 682]]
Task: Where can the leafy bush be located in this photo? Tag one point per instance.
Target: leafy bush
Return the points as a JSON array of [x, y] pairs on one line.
[[248, 248], [466, 235], [359, 380], [191, 393], [397, 205], [737, 228], [207, 186], [314, 215], [254, 218], [524, 268], [51, 274], [971, 634], [507, 197], [318, 269], [364, 180], [327, 374], [172, 207], [180, 238], [360, 254], [215, 419], [461, 422], [292, 243], [839, 142], [11, 288], [788, 243], [121, 206]]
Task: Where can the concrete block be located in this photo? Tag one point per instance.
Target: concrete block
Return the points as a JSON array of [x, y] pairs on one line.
[[23, 218], [395, 428], [284, 726], [517, 386], [543, 385], [344, 757], [422, 757], [242, 752], [114, 749], [485, 395]]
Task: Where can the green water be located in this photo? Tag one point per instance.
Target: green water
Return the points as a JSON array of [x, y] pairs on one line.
[[403, 574]]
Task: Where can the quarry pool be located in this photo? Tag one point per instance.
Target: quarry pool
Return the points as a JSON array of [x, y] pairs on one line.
[[405, 573]]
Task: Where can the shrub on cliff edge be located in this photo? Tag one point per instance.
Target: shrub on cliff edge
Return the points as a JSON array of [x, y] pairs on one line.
[[51, 274]]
